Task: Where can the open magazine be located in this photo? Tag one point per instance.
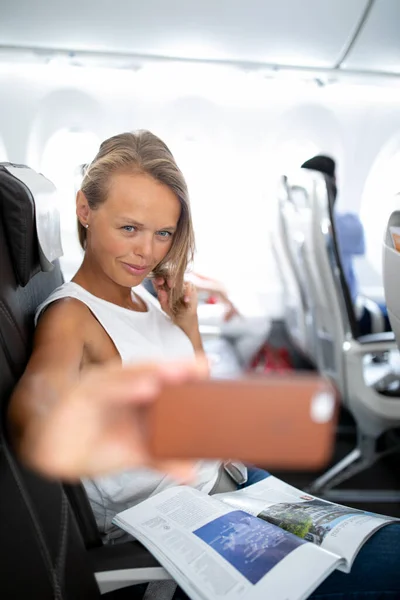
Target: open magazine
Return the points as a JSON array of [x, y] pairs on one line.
[[269, 540]]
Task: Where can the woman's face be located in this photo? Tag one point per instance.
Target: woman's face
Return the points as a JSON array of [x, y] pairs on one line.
[[132, 231]]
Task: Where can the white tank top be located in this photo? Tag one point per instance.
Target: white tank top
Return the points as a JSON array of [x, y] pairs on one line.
[[138, 336]]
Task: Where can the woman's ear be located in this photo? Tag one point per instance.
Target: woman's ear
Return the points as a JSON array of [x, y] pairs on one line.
[[82, 208]]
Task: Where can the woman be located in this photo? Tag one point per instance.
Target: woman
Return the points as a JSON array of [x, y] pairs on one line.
[[133, 221]]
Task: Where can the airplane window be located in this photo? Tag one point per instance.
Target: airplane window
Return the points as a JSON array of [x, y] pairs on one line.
[[63, 154], [380, 198]]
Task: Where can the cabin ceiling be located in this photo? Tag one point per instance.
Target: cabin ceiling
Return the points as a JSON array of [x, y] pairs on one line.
[[350, 35]]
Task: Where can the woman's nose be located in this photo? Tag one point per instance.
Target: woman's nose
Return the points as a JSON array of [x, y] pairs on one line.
[[143, 245]]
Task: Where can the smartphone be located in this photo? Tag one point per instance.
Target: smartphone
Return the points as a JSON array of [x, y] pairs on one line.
[[280, 422]]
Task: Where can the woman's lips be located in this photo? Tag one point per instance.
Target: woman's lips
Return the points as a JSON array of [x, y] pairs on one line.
[[135, 269]]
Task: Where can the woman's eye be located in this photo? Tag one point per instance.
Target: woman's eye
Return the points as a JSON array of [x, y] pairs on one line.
[[164, 234], [128, 228]]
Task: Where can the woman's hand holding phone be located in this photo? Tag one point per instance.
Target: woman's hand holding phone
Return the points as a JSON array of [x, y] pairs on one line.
[[100, 425]]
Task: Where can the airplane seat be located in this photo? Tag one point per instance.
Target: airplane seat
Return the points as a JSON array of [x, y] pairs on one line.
[[42, 549], [391, 266], [300, 193], [390, 269], [286, 247], [344, 357]]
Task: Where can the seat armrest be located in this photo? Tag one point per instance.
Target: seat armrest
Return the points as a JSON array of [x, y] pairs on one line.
[[122, 565], [384, 337], [209, 331], [115, 565], [371, 344]]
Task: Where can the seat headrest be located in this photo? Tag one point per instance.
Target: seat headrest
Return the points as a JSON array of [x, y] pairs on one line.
[[30, 213]]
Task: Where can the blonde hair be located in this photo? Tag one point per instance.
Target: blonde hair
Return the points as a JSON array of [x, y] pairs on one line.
[[142, 152]]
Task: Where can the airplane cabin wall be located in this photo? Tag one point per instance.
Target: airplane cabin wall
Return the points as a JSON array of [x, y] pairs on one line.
[[231, 143]]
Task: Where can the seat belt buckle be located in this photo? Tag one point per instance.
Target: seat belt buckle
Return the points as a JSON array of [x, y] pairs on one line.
[[237, 471]]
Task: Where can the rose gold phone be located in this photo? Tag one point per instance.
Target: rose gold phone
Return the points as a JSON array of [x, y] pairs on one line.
[[280, 422]]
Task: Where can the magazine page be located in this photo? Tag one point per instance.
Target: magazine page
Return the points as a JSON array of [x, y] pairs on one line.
[[339, 529], [214, 551]]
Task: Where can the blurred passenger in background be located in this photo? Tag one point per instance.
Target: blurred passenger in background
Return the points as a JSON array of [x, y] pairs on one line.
[[371, 316]]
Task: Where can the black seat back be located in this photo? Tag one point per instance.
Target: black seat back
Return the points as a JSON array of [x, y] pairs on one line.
[[41, 550]]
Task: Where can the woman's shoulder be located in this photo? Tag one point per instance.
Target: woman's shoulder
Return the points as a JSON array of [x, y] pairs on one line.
[[66, 309], [66, 291], [63, 305], [66, 322]]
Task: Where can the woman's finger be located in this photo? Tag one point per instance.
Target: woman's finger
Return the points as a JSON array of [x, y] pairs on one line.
[[163, 299], [158, 281], [187, 292]]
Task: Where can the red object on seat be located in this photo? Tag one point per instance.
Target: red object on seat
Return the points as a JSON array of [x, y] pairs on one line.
[[271, 360]]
